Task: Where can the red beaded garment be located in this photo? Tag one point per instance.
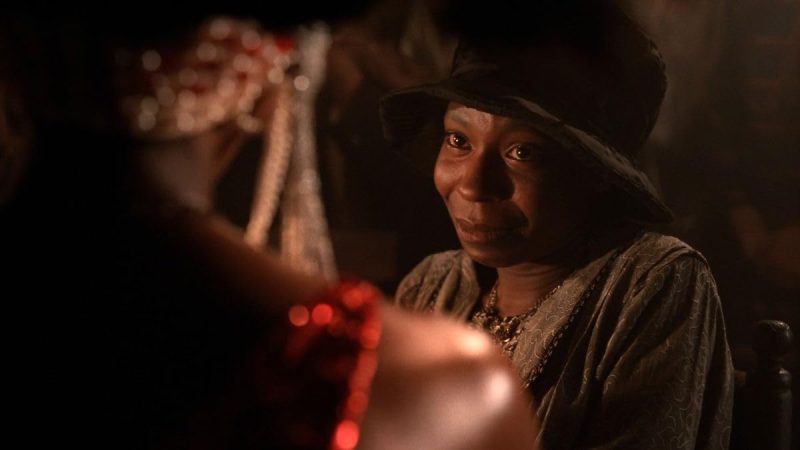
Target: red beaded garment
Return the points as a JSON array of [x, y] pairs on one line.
[[305, 384], [321, 386]]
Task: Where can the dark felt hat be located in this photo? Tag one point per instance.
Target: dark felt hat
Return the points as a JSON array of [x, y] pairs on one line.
[[594, 85]]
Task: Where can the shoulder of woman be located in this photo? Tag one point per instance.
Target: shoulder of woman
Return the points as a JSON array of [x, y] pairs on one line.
[[654, 252], [429, 271], [662, 272], [659, 287], [659, 271], [437, 262]]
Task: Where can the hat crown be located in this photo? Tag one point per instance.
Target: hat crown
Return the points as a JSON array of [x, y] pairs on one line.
[[608, 81]]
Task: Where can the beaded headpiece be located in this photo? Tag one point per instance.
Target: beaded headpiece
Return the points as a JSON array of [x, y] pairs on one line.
[[187, 89], [182, 91]]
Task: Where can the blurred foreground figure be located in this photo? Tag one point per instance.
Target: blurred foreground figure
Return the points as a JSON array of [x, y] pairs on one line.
[[156, 325]]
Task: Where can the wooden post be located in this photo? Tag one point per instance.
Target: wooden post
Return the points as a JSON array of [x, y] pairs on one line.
[[763, 406]]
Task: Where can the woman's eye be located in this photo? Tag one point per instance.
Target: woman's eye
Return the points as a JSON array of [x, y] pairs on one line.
[[455, 140], [521, 153]]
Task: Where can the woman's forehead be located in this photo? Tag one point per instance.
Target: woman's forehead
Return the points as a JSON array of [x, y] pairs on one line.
[[471, 117]]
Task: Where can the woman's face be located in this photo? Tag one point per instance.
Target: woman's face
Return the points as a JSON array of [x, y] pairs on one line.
[[513, 194]]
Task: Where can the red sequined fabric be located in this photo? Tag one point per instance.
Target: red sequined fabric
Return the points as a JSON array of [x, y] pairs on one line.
[[320, 390]]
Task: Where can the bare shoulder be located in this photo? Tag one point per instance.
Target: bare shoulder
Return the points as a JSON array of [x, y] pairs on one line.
[[441, 385]]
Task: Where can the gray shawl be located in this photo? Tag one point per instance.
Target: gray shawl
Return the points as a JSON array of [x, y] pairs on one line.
[[630, 352]]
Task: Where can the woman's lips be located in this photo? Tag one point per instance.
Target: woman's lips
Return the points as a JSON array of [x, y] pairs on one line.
[[482, 233]]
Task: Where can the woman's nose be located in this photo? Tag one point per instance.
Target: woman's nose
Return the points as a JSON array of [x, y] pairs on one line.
[[483, 178]]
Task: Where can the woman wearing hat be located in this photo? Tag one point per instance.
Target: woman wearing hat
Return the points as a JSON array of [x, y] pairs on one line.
[[616, 331]]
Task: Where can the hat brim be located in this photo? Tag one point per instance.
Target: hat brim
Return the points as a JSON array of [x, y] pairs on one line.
[[412, 122]]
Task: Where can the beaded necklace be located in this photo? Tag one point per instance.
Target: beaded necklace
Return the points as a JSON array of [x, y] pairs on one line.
[[506, 329]]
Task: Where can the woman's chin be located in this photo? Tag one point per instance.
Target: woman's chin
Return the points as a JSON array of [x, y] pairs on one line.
[[495, 255]]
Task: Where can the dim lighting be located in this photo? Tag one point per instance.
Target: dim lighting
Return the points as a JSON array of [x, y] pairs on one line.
[[357, 403], [251, 40], [269, 51], [187, 77], [275, 75], [220, 29], [301, 83], [187, 98], [166, 96], [322, 314], [216, 112], [226, 87], [206, 52], [151, 60], [242, 63], [298, 315], [146, 121], [123, 57], [346, 436], [282, 60], [149, 105], [185, 122]]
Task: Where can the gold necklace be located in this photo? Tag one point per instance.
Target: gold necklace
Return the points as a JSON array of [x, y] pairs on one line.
[[506, 329]]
